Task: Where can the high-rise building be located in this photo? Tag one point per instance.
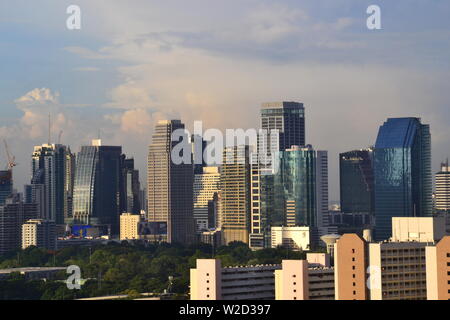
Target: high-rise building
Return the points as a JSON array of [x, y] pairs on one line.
[[356, 181], [6, 185], [49, 167], [39, 233], [69, 185], [286, 117], [235, 194], [294, 194], [12, 215], [206, 185], [322, 212], [293, 238], [170, 187], [437, 270], [98, 186], [443, 188], [132, 187], [402, 172]]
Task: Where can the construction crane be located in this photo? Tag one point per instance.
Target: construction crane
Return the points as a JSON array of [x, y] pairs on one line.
[[11, 159]]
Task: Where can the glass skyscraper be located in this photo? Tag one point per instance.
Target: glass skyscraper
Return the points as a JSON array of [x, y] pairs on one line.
[[288, 197], [356, 181], [402, 172], [98, 186]]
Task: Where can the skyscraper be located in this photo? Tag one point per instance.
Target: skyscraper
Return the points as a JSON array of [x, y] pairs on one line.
[[48, 168], [98, 186], [356, 181], [443, 188], [132, 187], [6, 185], [206, 186], [170, 188], [288, 118], [235, 194], [322, 192], [402, 172], [13, 214]]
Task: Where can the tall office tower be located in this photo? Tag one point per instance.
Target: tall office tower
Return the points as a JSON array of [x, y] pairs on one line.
[[402, 172], [12, 215], [322, 193], [132, 187], [69, 185], [235, 194], [6, 185], [356, 181], [206, 186], [39, 233], [98, 186], [443, 188], [48, 168], [198, 149], [288, 118], [170, 188]]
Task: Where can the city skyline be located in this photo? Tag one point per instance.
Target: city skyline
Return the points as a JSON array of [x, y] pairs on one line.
[[128, 67]]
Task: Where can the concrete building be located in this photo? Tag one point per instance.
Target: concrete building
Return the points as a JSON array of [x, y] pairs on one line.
[[350, 264], [12, 215], [292, 280], [235, 194], [169, 187], [438, 270], [294, 238], [206, 186], [129, 226], [32, 273], [419, 229], [39, 233], [443, 188], [397, 271]]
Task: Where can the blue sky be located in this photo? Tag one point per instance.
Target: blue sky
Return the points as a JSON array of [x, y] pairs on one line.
[[134, 62]]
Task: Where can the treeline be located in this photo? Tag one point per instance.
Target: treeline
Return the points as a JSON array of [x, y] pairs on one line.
[[124, 268]]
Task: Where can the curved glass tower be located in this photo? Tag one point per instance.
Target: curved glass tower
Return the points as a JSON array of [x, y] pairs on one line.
[[402, 172]]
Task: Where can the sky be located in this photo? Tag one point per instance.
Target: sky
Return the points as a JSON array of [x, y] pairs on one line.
[[135, 62]]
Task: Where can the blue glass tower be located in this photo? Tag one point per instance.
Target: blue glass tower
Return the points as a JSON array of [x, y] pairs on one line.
[[402, 172]]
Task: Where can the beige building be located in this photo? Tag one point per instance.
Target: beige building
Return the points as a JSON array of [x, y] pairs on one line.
[[39, 233], [397, 271], [418, 229], [235, 194], [438, 270], [350, 264], [206, 185], [294, 238], [292, 280], [129, 226]]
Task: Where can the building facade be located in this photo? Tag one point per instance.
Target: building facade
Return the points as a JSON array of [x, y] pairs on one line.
[[98, 186], [39, 233], [169, 187], [356, 181], [402, 172], [235, 194], [443, 188], [206, 187]]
